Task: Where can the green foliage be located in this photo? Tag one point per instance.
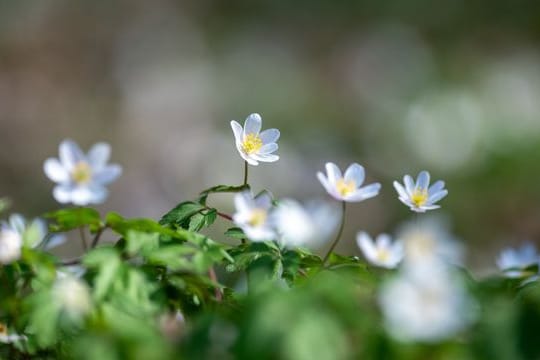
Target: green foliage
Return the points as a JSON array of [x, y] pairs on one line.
[[69, 219]]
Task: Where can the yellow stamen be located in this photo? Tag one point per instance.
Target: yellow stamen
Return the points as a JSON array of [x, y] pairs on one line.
[[383, 255], [344, 187], [252, 143], [81, 173], [257, 218], [419, 197]]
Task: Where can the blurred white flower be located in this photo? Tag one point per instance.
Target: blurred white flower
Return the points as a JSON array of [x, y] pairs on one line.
[[11, 243], [72, 295], [252, 215], [514, 262], [34, 233], [419, 196], [81, 178], [429, 241], [347, 187], [309, 225], [426, 311], [9, 338], [381, 252], [254, 145]]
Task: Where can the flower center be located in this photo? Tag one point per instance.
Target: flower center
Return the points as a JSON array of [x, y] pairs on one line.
[[419, 197], [383, 255], [252, 143], [345, 187], [257, 218], [81, 173]]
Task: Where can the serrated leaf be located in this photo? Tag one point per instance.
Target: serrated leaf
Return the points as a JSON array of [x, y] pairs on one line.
[[181, 214], [236, 233], [221, 189], [140, 241], [122, 226]]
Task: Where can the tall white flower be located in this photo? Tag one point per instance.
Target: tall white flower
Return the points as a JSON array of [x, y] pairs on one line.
[[81, 178], [426, 311], [11, 243], [347, 187], [419, 196], [252, 215], [299, 225], [381, 252], [514, 262], [252, 144]]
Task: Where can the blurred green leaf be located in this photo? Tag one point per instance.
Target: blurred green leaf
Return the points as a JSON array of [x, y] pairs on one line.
[[221, 189], [69, 219]]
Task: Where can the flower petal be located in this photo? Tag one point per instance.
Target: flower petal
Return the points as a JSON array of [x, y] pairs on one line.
[[433, 198], [422, 181], [409, 184], [356, 173], [62, 193], [267, 149], [401, 190], [237, 131], [266, 157], [383, 241], [70, 154], [107, 174], [365, 243], [264, 200], [252, 124], [364, 193], [333, 173], [98, 155], [436, 187], [17, 223], [55, 170], [269, 136]]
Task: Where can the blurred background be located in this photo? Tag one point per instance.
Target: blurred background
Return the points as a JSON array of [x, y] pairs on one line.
[[396, 86]]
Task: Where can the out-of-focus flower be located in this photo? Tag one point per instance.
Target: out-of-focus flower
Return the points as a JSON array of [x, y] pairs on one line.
[[381, 252], [72, 295], [11, 243], [347, 187], [9, 338], [81, 178], [426, 311], [252, 215], [514, 262], [428, 241], [252, 144], [309, 225], [419, 196], [34, 232]]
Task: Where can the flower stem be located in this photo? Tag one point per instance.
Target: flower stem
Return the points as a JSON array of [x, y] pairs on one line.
[[83, 238], [340, 231], [97, 237], [245, 173]]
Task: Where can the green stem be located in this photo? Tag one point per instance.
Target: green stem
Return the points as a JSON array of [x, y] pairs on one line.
[[340, 231], [245, 173]]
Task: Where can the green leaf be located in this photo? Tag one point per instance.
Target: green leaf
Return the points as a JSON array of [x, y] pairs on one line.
[[236, 233], [172, 256], [33, 234], [221, 189], [69, 219], [202, 219], [108, 262], [122, 226], [181, 214], [137, 241]]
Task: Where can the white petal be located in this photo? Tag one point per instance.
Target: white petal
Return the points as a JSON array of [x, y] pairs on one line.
[[383, 241], [266, 157], [269, 136], [70, 153], [252, 124], [17, 223], [437, 196], [401, 190], [267, 149], [333, 173], [107, 174], [436, 187], [356, 173], [422, 181], [62, 193], [365, 243], [237, 131], [409, 183], [55, 241], [98, 194], [55, 171], [364, 193], [99, 154], [327, 186], [264, 200], [243, 202]]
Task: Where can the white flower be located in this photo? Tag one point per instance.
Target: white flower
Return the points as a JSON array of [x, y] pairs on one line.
[[72, 295], [81, 178], [349, 186], [10, 244], [252, 215], [309, 225], [254, 145], [382, 252], [34, 233], [9, 338], [419, 196], [514, 262], [426, 311]]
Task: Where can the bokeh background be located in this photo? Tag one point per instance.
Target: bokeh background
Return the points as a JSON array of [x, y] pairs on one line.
[[398, 86]]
